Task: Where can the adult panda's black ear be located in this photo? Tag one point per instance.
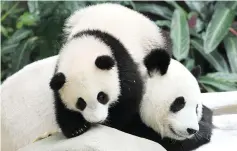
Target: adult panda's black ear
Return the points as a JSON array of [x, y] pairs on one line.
[[57, 81], [196, 71], [157, 60], [104, 62]]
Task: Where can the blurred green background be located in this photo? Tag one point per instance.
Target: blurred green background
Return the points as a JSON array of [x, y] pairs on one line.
[[203, 33]]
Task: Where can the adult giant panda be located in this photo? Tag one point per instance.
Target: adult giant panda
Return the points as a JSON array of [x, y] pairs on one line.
[[171, 112], [100, 73]]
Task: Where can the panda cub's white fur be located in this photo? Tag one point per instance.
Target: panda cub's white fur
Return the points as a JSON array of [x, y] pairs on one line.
[[136, 32], [101, 63], [85, 80], [161, 92]]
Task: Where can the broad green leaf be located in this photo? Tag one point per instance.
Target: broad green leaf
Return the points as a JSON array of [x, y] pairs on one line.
[[228, 4], [4, 16], [129, 3], [28, 19], [176, 6], [154, 9], [4, 31], [214, 58], [231, 50], [27, 46], [180, 35], [208, 88], [9, 48], [74, 5], [162, 23], [34, 7], [218, 28], [189, 63], [196, 5], [222, 85], [19, 35], [228, 77]]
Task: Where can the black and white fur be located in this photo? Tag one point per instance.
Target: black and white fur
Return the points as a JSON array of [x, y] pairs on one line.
[[171, 112], [100, 71]]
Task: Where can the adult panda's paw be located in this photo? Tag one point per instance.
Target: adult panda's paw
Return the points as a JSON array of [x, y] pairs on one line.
[[77, 131]]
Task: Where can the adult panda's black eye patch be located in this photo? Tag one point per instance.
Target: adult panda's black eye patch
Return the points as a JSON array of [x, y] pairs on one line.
[[104, 62], [177, 105]]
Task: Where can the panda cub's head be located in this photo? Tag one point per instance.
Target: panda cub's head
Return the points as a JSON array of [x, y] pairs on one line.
[[171, 104], [86, 77]]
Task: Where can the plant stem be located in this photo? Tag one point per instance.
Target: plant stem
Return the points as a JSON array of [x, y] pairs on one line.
[[233, 31], [8, 12]]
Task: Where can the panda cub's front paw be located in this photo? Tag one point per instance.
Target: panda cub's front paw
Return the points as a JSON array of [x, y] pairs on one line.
[[77, 132]]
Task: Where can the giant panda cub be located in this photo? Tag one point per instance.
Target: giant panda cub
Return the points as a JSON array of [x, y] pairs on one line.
[[99, 74], [171, 112]]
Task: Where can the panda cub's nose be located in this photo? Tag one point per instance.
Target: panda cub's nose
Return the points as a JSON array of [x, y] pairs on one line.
[[191, 131], [102, 98]]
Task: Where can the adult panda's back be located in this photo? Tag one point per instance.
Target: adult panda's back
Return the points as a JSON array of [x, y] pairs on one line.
[[135, 31]]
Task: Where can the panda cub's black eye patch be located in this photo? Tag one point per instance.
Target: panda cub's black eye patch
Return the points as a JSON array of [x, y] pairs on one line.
[[104, 62], [81, 104], [177, 105]]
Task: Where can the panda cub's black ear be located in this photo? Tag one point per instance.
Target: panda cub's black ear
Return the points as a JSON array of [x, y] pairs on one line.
[[196, 71], [57, 81], [104, 62], [157, 59]]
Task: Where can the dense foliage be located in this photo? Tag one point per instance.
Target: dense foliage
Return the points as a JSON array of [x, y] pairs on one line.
[[203, 33]]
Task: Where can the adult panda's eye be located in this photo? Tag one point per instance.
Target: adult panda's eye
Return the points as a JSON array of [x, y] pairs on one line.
[[102, 98], [81, 104], [177, 105]]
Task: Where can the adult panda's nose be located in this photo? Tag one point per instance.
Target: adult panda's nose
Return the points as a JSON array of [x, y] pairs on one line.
[[191, 131]]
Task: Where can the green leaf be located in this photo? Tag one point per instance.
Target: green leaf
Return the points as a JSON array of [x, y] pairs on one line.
[[214, 58], [33, 7], [208, 88], [196, 5], [162, 23], [218, 28], [180, 35], [129, 3], [9, 48], [222, 85], [231, 50], [74, 5], [26, 47], [28, 19], [189, 63], [176, 6], [228, 4], [19, 35], [227, 77], [4, 31], [154, 9]]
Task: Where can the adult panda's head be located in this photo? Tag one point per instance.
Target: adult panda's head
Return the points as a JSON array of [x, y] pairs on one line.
[[86, 77], [171, 104]]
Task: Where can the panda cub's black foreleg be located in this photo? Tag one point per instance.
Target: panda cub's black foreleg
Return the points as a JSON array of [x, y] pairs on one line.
[[71, 123]]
